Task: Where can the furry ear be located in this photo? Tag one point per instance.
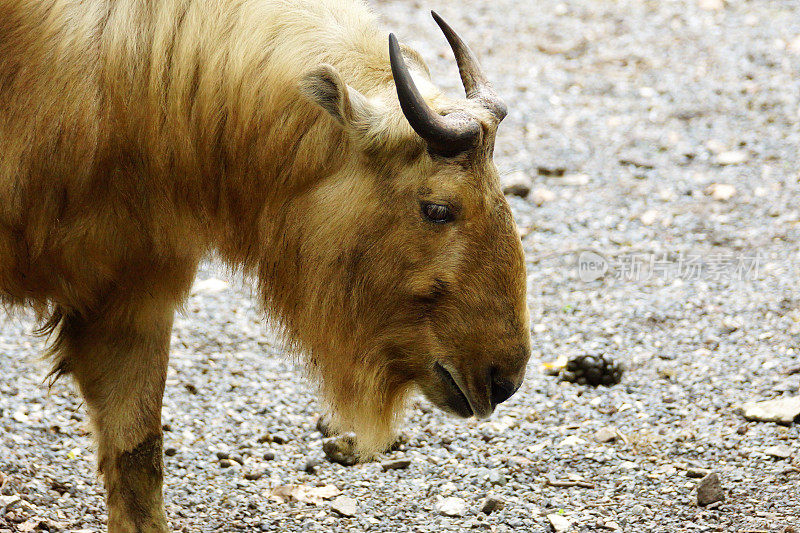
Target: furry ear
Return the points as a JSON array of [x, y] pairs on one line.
[[325, 87]]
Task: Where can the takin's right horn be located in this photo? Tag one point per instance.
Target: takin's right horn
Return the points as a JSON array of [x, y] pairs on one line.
[[446, 135]]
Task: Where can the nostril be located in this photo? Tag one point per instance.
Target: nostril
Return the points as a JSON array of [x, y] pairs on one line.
[[502, 389]]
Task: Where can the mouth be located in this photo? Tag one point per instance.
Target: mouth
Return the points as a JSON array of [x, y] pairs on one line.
[[456, 399]]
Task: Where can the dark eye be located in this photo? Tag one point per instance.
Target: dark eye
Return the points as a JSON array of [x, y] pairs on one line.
[[438, 213]]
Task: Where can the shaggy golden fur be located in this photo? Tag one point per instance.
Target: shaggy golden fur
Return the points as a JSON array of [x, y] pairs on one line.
[[136, 136]]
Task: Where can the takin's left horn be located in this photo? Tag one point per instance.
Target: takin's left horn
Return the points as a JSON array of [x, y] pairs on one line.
[[475, 83]]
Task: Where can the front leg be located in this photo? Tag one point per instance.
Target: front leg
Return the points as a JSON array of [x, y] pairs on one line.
[[119, 360], [134, 485]]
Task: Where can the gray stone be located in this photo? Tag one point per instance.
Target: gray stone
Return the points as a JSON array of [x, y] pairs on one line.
[[491, 504], [639, 510], [254, 474], [697, 472], [517, 184], [709, 490], [496, 477], [280, 438]]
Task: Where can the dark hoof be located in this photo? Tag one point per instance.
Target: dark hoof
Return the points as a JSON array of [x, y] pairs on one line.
[[323, 426]]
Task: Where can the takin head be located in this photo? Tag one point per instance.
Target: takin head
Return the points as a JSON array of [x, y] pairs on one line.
[[418, 270]]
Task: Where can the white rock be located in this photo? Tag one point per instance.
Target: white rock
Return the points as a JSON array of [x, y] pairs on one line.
[[649, 217], [716, 146], [782, 410], [541, 196], [667, 195], [559, 522], [575, 179], [781, 451], [571, 442], [209, 286], [451, 506], [344, 505], [721, 191], [647, 92], [733, 157], [794, 45], [448, 488], [8, 501], [711, 5], [605, 434]]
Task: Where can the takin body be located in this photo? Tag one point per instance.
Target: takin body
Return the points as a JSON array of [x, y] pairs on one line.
[[137, 136]]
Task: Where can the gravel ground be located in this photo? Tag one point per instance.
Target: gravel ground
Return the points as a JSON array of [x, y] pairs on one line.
[[664, 136]]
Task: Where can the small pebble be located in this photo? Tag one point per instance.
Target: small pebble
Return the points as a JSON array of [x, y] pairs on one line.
[[396, 464], [733, 157], [491, 504], [311, 466], [721, 191], [697, 472], [255, 474], [554, 171]]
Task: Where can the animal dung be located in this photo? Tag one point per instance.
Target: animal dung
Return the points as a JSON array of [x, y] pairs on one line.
[[592, 369]]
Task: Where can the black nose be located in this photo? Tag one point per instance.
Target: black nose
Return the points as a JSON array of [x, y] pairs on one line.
[[502, 389]]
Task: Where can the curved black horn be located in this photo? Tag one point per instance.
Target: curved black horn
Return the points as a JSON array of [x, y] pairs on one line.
[[446, 135], [475, 83]]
